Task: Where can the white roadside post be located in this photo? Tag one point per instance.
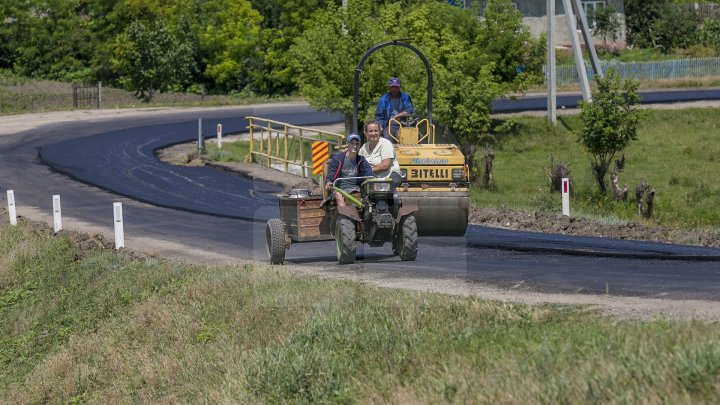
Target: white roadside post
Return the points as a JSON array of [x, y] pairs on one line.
[[201, 140], [566, 196], [11, 207], [219, 136], [57, 213], [119, 234]]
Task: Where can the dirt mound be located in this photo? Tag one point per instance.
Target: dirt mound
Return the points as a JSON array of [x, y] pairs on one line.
[[559, 224]]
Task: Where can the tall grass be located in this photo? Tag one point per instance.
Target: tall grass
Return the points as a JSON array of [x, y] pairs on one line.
[[105, 327], [676, 152]]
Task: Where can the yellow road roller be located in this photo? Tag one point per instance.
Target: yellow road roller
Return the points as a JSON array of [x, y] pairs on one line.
[[435, 176]]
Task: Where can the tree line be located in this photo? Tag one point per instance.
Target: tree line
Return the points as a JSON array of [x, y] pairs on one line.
[[209, 46]]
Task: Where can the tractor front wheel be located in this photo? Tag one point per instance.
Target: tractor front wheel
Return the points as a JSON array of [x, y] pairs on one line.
[[408, 239], [345, 240]]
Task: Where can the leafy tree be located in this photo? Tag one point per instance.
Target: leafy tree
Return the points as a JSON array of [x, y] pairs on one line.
[[607, 23], [48, 39], [150, 59], [675, 29], [639, 18], [470, 69], [464, 101], [228, 37], [283, 21], [710, 34], [509, 45], [327, 52], [609, 123]]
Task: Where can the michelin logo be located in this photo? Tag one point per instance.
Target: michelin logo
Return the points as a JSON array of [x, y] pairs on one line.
[[428, 161]]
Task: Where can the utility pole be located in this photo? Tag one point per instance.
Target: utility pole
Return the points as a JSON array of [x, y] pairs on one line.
[[550, 74], [588, 38], [577, 52]]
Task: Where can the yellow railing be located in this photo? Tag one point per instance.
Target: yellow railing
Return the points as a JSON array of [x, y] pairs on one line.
[[289, 145]]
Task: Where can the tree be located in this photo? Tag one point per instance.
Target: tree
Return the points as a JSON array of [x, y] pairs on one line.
[[607, 23], [228, 37], [283, 21], [509, 45], [639, 18], [150, 59], [463, 102], [329, 49], [675, 29], [609, 123], [47, 39]]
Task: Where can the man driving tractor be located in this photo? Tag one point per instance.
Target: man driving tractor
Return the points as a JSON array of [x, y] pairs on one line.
[[347, 164]]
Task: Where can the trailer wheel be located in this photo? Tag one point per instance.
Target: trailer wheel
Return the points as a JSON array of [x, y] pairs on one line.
[[408, 245], [275, 240], [345, 240]]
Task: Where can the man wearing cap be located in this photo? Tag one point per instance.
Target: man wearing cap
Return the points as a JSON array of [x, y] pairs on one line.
[[347, 164], [393, 104]]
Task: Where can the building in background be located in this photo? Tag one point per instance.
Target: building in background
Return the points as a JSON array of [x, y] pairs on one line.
[[535, 16]]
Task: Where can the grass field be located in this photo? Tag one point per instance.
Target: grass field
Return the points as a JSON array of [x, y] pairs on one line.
[[676, 152], [105, 327]]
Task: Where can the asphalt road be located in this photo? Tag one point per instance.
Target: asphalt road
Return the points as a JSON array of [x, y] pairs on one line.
[[570, 100], [114, 161]]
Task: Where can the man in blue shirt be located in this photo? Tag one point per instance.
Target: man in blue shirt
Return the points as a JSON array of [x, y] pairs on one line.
[[393, 104]]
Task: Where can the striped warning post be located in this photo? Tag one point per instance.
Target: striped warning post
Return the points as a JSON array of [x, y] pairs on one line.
[[319, 155]]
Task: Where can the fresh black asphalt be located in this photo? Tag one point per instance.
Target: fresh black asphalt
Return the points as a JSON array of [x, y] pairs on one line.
[[118, 158]]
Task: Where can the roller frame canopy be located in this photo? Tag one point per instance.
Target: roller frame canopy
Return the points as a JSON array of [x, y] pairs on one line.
[[358, 70]]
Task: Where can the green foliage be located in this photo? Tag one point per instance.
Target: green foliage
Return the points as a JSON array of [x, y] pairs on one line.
[[150, 59], [228, 39], [675, 29], [472, 61], [47, 39], [508, 44], [610, 122], [283, 21], [639, 18], [607, 23], [709, 34]]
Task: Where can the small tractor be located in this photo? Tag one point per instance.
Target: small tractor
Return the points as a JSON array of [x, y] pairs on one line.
[[376, 218], [432, 199]]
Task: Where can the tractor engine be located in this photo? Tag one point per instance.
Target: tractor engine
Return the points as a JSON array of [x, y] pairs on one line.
[[381, 207]]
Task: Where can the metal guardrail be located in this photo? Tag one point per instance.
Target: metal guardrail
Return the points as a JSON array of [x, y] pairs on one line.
[[656, 70], [290, 146]]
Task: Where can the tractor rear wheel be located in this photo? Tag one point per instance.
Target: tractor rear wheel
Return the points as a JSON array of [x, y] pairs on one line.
[[345, 240], [275, 240], [408, 241]]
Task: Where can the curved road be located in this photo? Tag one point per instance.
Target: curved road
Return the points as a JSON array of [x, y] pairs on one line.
[[117, 156]]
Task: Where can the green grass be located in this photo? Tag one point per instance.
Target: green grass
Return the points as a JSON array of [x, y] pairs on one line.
[[104, 327], [20, 95], [676, 152]]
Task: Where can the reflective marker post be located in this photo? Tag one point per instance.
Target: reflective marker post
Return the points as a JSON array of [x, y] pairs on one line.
[[11, 207], [201, 140], [119, 234], [566, 196], [219, 136], [57, 213]]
